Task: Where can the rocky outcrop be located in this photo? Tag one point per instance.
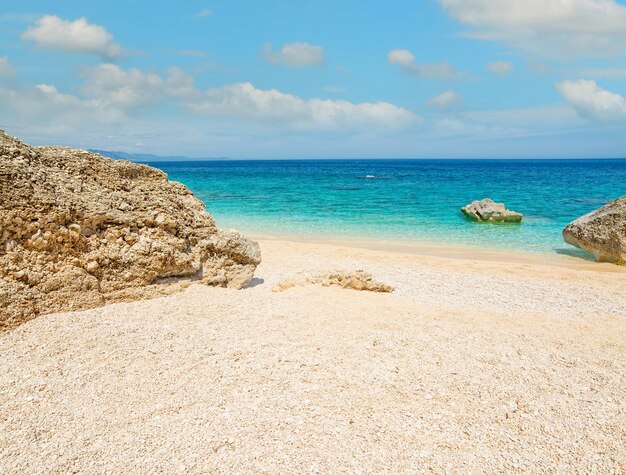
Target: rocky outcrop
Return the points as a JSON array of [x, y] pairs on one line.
[[78, 230], [601, 232], [358, 280], [489, 211]]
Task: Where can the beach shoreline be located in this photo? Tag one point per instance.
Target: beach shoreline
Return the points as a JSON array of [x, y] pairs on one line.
[[576, 259]]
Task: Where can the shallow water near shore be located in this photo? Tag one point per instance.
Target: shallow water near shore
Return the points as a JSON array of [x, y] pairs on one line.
[[403, 200]]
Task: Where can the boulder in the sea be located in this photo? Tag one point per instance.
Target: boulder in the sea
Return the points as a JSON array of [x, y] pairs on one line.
[[489, 211], [78, 230], [601, 232]]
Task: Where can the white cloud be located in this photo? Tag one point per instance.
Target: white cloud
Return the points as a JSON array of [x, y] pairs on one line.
[[402, 57], [76, 36], [244, 101], [114, 92], [500, 68], [135, 88], [6, 69], [406, 60], [548, 27], [124, 89], [295, 55], [593, 102], [178, 84], [44, 106], [446, 100], [204, 13]]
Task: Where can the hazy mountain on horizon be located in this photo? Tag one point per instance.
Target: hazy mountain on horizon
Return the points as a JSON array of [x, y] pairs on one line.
[[147, 157]]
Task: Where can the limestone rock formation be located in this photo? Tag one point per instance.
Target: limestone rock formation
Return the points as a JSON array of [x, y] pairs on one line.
[[358, 280], [601, 232], [78, 230], [489, 211]]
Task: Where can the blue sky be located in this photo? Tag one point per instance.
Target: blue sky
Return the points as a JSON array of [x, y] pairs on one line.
[[431, 78]]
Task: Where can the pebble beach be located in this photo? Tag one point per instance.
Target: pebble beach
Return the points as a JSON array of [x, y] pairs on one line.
[[494, 365]]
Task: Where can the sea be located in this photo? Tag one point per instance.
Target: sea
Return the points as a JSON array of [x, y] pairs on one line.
[[403, 200]]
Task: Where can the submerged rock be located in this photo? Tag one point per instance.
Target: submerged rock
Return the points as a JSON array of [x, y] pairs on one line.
[[601, 232], [78, 230], [489, 211]]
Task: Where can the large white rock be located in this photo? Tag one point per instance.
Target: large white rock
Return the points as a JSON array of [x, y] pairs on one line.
[[601, 232], [490, 211], [78, 230]]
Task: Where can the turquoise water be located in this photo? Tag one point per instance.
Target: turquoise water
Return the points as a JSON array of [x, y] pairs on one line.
[[414, 200]]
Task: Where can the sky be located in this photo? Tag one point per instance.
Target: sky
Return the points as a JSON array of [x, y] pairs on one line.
[[318, 79]]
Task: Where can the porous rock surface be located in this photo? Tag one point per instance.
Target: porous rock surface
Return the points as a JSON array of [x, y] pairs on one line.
[[357, 280], [601, 232], [78, 230], [490, 211]]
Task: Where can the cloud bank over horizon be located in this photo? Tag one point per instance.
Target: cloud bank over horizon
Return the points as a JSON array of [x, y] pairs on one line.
[[69, 79]]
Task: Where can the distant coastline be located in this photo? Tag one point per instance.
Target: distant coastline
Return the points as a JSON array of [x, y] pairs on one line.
[[148, 157]]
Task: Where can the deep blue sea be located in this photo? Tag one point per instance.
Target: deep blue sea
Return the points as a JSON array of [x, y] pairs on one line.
[[412, 200]]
